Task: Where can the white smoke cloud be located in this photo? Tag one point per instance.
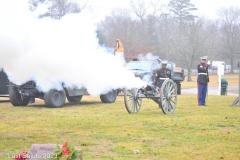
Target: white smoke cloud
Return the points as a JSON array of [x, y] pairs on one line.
[[54, 51], [148, 57]]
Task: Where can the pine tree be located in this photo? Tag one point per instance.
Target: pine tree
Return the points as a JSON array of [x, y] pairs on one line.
[[182, 10]]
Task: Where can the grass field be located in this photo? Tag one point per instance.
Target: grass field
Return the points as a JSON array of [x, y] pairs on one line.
[[232, 80], [107, 131]]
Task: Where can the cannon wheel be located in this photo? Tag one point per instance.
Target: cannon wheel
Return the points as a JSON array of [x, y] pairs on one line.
[[168, 96], [131, 100]]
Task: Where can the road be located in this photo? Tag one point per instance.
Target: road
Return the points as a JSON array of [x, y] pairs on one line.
[[211, 90], [210, 71]]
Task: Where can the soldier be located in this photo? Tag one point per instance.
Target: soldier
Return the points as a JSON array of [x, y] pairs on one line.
[[202, 81], [163, 72]]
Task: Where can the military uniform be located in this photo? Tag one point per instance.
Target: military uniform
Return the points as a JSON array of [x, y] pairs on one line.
[[202, 82], [162, 73]]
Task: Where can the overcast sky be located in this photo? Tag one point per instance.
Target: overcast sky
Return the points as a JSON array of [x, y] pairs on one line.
[[205, 7]]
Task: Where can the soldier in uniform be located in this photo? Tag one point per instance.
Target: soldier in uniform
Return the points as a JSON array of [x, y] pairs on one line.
[[202, 81], [163, 72]]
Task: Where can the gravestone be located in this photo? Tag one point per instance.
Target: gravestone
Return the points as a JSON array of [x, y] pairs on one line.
[[44, 151], [41, 151]]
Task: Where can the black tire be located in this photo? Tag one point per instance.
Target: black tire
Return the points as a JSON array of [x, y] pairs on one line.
[[178, 88], [109, 97], [74, 98], [55, 98], [3, 83], [15, 97]]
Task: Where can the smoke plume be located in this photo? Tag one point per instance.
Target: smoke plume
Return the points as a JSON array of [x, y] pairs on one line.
[[52, 52]]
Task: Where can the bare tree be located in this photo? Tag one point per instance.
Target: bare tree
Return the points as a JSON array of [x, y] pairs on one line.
[[140, 8], [34, 4], [157, 9], [58, 8], [119, 25], [149, 13], [186, 49], [229, 33], [165, 30]]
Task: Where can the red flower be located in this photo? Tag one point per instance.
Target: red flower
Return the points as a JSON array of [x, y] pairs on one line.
[[21, 156], [66, 152], [64, 147]]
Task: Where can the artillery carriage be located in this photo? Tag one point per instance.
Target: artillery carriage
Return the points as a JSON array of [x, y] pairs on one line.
[[165, 97], [164, 93]]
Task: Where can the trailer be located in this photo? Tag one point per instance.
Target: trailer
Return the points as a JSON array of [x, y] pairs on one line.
[[21, 95]]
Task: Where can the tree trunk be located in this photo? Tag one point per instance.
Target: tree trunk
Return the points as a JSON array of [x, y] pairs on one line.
[[189, 75], [232, 67]]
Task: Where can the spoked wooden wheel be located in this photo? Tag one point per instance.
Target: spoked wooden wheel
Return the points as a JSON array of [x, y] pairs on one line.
[[131, 100], [168, 96]]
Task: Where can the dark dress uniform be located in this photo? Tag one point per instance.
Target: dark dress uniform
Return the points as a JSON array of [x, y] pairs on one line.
[[202, 82], [162, 73]]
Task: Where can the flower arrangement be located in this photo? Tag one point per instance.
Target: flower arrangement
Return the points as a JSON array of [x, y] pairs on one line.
[[67, 152], [22, 156]]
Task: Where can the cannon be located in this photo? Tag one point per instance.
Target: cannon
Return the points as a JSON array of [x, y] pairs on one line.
[[165, 96]]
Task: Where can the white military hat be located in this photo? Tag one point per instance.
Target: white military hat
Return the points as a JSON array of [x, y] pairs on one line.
[[204, 57], [164, 61]]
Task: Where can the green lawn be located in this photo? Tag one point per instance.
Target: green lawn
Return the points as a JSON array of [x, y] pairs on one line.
[[107, 131], [232, 79]]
